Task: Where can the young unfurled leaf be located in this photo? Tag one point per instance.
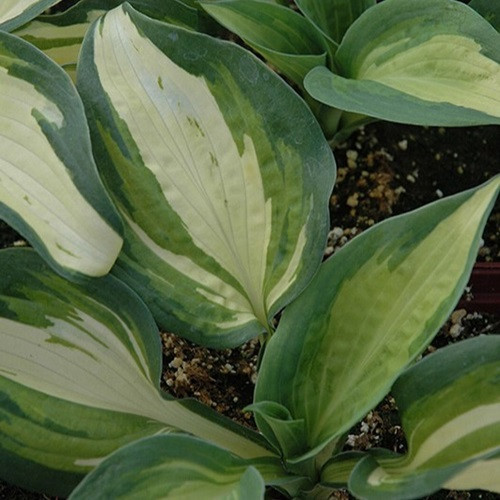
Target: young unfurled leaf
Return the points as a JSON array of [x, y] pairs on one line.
[[284, 37], [431, 62], [79, 377], [279, 427], [450, 407], [369, 311], [177, 466], [49, 187], [60, 35], [224, 197], [14, 13]]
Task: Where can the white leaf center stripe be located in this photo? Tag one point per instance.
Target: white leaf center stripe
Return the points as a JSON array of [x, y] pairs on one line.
[[445, 68], [35, 182], [443, 437], [446, 435], [97, 361], [222, 201], [66, 362]]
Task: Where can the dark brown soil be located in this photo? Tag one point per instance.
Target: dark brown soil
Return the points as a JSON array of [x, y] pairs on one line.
[[388, 169]]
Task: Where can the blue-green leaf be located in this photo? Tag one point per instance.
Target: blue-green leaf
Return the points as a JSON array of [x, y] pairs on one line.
[[284, 37], [489, 9], [177, 466], [333, 17], [431, 62]]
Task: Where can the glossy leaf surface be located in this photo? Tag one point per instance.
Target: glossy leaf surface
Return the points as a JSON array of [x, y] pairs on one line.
[[370, 310], [49, 187], [432, 62], [79, 377], [223, 196], [450, 410]]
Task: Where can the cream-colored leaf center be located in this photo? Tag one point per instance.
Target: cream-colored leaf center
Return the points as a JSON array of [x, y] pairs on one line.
[[66, 40], [214, 185], [482, 474], [9, 9], [445, 68], [83, 361], [36, 184], [454, 430]]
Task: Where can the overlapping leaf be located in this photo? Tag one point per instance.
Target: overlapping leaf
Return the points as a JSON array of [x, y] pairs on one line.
[[450, 406], [79, 377], [224, 197], [333, 17], [431, 62], [479, 474], [370, 310], [49, 187], [14, 13], [177, 466], [489, 10], [337, 470], [284, 37], [60, 35]]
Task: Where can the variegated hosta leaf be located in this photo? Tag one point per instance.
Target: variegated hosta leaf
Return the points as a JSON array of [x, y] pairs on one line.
[[49, 444], [333, 17], [369, 311], [450, 408], [79, 377], [284, 37], [49, 187], [431, 62], [489, 9], [60, 35], [14, 13], [481, 474], [176, 466], [224, 196], [336, 471]]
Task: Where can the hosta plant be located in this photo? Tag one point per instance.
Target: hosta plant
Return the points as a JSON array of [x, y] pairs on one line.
[[182, 184], [425, 62]]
